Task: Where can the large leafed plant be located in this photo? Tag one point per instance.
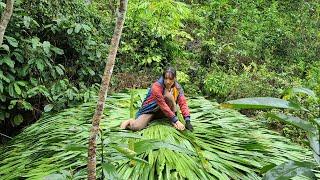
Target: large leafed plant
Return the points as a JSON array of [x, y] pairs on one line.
[[310, 126]]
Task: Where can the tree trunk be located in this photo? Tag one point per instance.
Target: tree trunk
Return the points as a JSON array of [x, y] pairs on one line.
[[104, 89], [5, 18]]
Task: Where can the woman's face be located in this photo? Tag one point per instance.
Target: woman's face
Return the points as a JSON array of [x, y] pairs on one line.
[[169, 80]]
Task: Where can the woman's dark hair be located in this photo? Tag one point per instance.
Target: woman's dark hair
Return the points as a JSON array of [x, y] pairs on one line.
[[170, 71]]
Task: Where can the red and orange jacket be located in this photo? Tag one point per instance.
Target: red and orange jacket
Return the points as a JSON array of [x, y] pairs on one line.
[[155, 101]]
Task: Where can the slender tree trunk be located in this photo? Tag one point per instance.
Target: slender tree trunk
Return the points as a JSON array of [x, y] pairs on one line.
[[5, 18], [104, 89]]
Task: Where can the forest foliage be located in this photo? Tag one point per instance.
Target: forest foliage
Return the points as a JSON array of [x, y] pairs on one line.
[[53, 57], [54, 51]]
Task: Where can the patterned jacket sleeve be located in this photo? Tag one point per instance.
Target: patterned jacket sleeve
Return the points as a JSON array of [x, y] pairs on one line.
[[156, 91], [183, 104]]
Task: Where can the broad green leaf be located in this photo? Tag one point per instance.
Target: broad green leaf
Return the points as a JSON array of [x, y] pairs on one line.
[[110, 171], [22, 71], [46, 47], [70, 94], [59, 70], [86, 27], [34, 81], [261, 103], [35, 41], [315, 145], [90, 71], [19, 56], [70, 30], [5, 47], [32, 92], [17, 88], [26, 105], [77, 28], [13, 102], [57, 50], [62, 67], [26, 21], [18, 119], [86, 96], [7, 60], [35, 23], [302, 124], [98, 54], [302, 90], [289, 170], [10, 76], [12, 41], [314, 140], [40, 65], [48, 107], [125, 151], [4, 77], [91, 42], [22, 83], [11, 90]]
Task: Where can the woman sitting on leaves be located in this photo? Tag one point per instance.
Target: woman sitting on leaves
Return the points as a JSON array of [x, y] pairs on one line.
[[161, 101]]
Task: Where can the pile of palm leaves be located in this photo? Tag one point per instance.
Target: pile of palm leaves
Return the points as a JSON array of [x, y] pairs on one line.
[[224, 145]]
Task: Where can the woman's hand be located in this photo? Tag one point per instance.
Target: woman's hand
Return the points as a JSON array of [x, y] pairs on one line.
[[178, 125]]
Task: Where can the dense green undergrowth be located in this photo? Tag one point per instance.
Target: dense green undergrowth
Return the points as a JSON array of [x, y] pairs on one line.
[[54, 51]]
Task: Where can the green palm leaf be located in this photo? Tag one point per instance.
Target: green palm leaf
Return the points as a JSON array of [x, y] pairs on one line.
[[261, 103], [302, 124], [301, 90], [224, 145], [289, 170]]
